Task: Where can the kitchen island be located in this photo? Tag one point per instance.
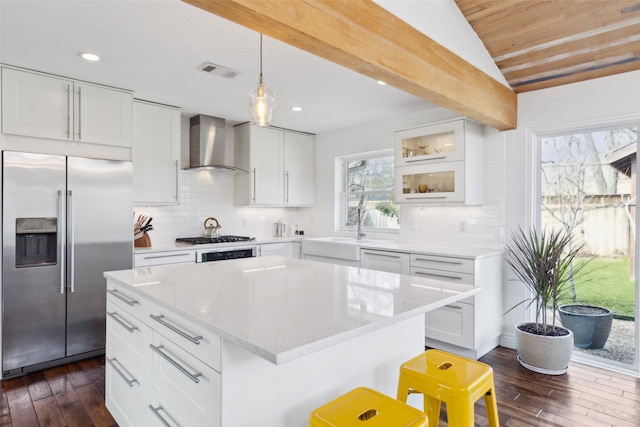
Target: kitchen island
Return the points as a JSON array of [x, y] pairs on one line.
[[258, 341]]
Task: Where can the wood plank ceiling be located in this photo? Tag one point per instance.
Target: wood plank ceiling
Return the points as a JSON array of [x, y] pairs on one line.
[[540, 44]]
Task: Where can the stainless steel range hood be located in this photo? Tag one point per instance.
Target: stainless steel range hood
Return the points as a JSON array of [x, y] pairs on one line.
[[207, 145]]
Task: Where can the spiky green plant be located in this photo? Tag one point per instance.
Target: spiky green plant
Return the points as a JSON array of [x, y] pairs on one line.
[[544, 263]]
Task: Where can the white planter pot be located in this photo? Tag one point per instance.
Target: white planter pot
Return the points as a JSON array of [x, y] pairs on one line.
[[544, 354]]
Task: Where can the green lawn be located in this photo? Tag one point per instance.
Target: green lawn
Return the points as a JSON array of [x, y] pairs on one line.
[[606, 283]]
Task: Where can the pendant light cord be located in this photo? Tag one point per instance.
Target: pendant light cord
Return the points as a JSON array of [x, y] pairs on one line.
[[260, 54]]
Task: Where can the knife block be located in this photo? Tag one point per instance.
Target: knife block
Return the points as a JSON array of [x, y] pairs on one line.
[[142, 242]]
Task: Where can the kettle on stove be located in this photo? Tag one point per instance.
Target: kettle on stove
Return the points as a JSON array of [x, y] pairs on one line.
[[211, 230]]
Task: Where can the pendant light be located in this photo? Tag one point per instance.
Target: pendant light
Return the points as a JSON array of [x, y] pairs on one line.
[[262, 101]]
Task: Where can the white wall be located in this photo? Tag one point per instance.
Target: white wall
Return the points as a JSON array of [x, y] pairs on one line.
[[593, 102]]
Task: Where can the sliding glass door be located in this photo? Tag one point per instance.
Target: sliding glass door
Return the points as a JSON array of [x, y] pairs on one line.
[[588, 188]]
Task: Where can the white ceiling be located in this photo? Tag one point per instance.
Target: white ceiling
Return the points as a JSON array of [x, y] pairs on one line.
[[155, 48]]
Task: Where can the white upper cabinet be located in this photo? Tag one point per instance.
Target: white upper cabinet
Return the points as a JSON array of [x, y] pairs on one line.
[[280, 166], [440, 163], [156, 151], [299, 169], [42, 106], [439, 142]]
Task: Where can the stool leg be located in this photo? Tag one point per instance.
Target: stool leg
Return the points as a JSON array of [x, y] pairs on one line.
[[491, 407], [403, 389], [460, 414], [432, 409]]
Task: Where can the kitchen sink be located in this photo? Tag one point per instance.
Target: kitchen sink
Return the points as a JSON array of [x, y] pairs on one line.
[[347, 248]]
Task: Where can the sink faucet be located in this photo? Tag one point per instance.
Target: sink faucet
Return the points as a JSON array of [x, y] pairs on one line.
[[360, 233]]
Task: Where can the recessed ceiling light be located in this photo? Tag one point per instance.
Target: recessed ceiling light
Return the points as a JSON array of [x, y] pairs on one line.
[[296, 108], [381, 83], [90, 56]]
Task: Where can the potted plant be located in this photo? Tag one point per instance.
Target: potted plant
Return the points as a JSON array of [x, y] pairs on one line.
[[590, 324], [544, 263]]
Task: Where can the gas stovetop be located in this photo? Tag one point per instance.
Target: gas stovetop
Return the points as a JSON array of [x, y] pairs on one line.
[[208, 240]]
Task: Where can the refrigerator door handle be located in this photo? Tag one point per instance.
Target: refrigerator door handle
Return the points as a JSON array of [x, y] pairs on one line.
[[72, 244], [61, 235]]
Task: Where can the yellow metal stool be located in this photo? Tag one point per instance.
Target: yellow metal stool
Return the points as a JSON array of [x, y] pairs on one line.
[[455, 380], [364, 407]]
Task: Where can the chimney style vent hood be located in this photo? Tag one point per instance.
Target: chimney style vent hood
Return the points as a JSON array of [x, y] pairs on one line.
[[207, 144]]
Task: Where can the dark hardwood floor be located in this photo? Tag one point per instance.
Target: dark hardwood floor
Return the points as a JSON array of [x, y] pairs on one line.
[[69, 395], [73, 395]]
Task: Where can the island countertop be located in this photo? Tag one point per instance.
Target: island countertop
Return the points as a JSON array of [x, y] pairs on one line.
[[282, 308]]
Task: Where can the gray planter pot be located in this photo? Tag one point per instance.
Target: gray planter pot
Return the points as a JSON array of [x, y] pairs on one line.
[[544, 354], [590, 325]]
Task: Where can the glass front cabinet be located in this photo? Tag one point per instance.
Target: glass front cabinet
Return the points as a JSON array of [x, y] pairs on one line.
[[440, 163]]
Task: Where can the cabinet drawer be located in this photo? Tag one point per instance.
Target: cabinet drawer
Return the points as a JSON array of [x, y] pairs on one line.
[[452, 323], [163, 258], [192, 387], [196, 340], [129, 337], [165, 413], [127, 391], [447, 276], [128, 301], [459, 265]]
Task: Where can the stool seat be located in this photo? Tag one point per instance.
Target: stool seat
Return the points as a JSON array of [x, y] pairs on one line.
[[455, 380], [364, 407]]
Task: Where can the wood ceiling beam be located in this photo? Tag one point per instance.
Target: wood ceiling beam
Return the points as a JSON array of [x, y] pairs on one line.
[[364, 37]]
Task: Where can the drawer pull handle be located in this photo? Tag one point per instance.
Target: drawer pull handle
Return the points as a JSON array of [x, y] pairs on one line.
[[120, 372], [115, 316], [457, 307], [167, 256], [440, 261], [381, 255], [192, 377], [156, 412], [444, 276], [121, 297], [190, 337]]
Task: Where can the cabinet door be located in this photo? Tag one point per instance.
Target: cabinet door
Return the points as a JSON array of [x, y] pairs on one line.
[[299, 169], [438, 142], [436, 183], [36, 105], [392, 262], [266, 166], [102, 115], [452, 324], [156, 147], [279, 249]]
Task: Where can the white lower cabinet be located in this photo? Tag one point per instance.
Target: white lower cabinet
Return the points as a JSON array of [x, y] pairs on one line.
[[470, 327], [192, 387], [393, 262], [162, 258], [281, 249], [160, 370]]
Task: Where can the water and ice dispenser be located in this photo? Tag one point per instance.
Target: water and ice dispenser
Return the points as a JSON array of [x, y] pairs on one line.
[[36, 242]]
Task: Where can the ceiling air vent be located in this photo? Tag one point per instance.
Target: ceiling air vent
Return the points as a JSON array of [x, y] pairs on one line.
[[218, 70]]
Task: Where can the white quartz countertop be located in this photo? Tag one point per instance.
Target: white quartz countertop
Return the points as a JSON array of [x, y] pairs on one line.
[[283, 308]]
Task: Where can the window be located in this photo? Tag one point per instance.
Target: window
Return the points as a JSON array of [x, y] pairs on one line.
[[368, 192]]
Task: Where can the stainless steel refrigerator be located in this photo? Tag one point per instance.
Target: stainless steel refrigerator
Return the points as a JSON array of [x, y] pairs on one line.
[[65, 221]]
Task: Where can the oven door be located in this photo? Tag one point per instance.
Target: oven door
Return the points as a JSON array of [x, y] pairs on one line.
[[221, 254]]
